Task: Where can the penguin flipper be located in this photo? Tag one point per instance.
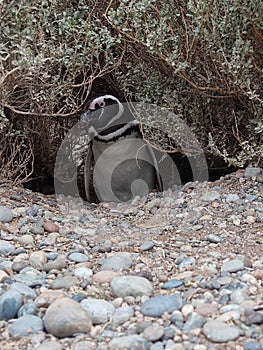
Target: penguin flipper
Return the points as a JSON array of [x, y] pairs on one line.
[[87, 172]]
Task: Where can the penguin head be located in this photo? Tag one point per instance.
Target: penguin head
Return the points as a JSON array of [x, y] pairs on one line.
[[104, 110]]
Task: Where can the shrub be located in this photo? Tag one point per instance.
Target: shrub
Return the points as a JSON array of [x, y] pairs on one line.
[[201, 59]]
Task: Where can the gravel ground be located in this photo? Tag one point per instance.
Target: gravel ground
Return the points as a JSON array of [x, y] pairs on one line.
[[177, 271]]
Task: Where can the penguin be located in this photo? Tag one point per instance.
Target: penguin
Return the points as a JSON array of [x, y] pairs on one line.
[[119, 163]]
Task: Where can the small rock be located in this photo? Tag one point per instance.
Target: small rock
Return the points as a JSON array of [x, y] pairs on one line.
[[47, 298], [146, 246], [153, 333], [131, 285], [238, 296], [3, 276], [122, 315], [25, 325], [220, 332], [66, 317], [33, 211], [65, 282], [232, 266], [50, 226], [78, 257], [39, 256], [105, 276], [58, 264], [252, 345], [172, 284], [194, 321], [30, 277], [83, 272], [83, 345], [99, 310], [29, 308], [206, 309], [49, 345], [129, 342], [5, 214], [210, 196], [231, 198], [214, 238], [6, 247], [26, 291], [26, 240], [10, 303], [118, 262], [252, 172], [37, 230], [158, 305]]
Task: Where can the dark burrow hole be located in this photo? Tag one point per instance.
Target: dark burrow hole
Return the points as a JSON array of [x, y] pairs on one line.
[[216, 169]]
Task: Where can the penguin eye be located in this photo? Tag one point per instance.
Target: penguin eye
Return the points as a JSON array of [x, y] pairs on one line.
[[102, 104]]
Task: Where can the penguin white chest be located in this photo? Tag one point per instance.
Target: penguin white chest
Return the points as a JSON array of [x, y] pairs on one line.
[[122, 169]]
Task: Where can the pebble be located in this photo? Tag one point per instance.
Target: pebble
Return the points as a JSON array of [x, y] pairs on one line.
[[131, 286], [172, 284], [197, 252], [25, 325], [78, 257], [99, 310], [49, 345], [65, 282], [118, 262], [50, 226], [65, 317], [5, 214], [232, 266], [158, 305], [10, 303], [6, 247], [153, 333], [220, 332], [146, 246], [129, 342]]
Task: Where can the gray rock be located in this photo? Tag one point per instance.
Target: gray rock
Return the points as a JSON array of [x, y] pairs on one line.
[[30, 277], [37, 230], [26, 240], [238, 296], [158, 305], [146, 246], [252, 345], [220, 332], [214, 238], [58, 264], [65, 317], [130, 342], [6, 247], [232, 266], [5, 214], [118, 262], [172, 284], [252, 172], [231, 198], [194, 321], [78, 257], [84, 345], [25, 325], [131, 286], [153, 333], [33, 211], [10, 303], [65, 282], [122, 315], [24, 290], [29, 308], [210, 196], [49, 345], [83, 272], [99, 310]]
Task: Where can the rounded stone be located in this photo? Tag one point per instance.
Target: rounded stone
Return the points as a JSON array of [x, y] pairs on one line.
[[10, 303], [131, 286], [78, 257], [49, 345], [133, 341], [64, 282], [153, 333], [26, 240], [6, 247], [5, 214], [50, 226], [105, 276], [232, 266], [25, 325], [84, 345], [99, 310], [220, 332], [117, 262], [158, 305], [66, 317]]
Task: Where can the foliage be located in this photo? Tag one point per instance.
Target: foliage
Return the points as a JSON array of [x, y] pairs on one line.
[[202, 59]]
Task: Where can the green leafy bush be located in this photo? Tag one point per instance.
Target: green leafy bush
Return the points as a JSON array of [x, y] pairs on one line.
[[201, 59]]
